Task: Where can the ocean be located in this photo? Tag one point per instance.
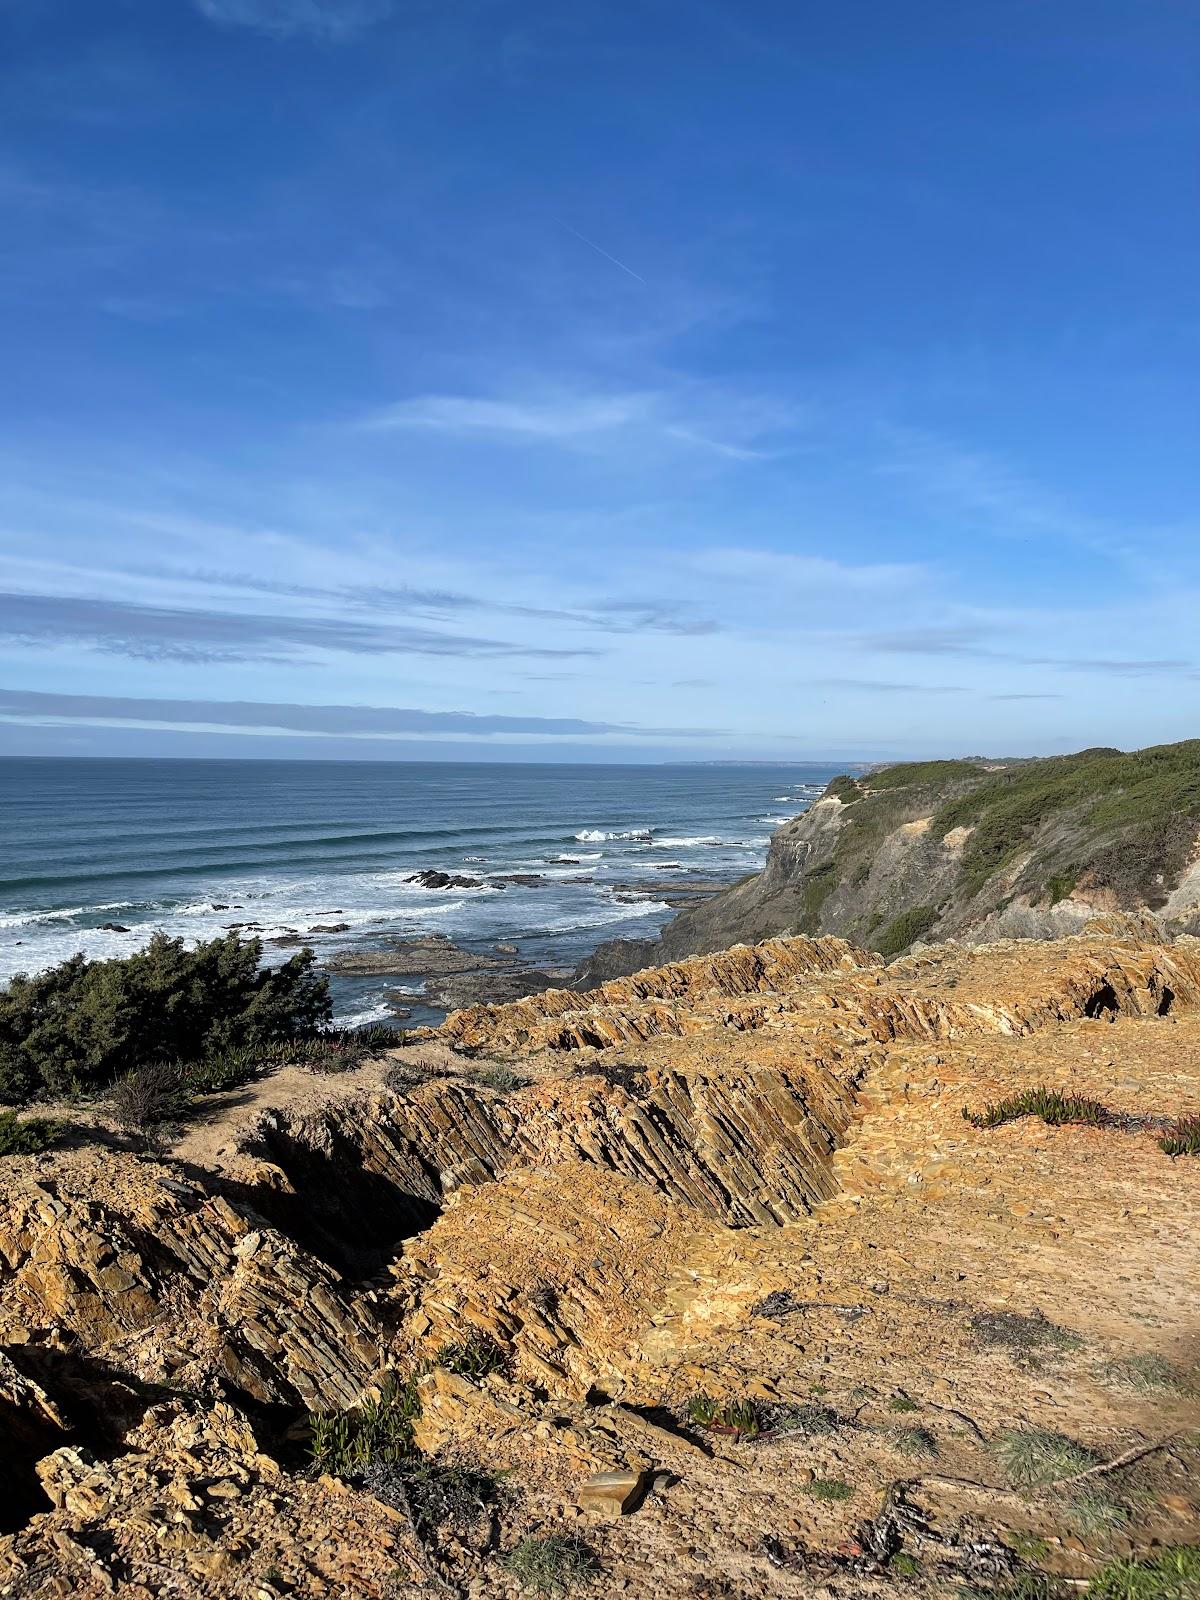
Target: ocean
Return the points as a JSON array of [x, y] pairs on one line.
[[191, 847]]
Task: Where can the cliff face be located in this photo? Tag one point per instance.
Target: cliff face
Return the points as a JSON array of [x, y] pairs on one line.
[[575, 1227], [966, 850]]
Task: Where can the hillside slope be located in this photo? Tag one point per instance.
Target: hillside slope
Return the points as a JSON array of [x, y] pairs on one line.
[[966, 849]]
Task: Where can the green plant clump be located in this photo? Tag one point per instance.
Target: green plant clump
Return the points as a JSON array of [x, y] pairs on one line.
[[914, 1441], [1051, 1105], [83, 1024], [845, 789], [346, 1443], [1034, 1456], [27, 1136], [731, 1416], [551, 1564], [472, 1358], [829, 1489], [1170, 1575], [906, 929], [1182, 1138]]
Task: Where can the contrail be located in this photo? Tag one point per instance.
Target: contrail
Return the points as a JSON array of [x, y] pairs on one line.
[[605, 254]]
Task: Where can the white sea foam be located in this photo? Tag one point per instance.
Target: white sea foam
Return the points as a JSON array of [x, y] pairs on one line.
[[598, 836], [364, 1016]]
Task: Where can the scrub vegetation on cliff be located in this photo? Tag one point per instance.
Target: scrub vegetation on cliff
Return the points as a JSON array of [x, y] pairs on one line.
[[973, 849]]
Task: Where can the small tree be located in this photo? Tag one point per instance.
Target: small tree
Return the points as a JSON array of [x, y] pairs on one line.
[[85, 1023]]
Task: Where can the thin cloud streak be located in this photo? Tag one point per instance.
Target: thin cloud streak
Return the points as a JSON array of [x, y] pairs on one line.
[[161, 633], [317, 19], [321, 720]]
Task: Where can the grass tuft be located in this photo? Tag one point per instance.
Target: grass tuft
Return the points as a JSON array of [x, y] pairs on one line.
[[829, 1489], [1147, 1371], [552, 1564], [1033, 1456], [913, 1441], [1092, 1511], [1171, 1575], [1051, 1105], [1022, 1334]]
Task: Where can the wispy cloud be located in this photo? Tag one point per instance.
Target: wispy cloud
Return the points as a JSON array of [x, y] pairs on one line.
[[934, 640], [653, 616], [805, 572], [161, 633], [317, 19], [1027, 697], [313, 720], [978, 485], [561, 419], [733, 426], [884, 686]]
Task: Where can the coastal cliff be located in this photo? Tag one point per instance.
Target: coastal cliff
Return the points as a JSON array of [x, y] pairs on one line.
[[969, 850], [736, 1277]]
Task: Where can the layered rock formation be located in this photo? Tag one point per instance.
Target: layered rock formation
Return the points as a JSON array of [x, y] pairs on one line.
[[744, 1177]]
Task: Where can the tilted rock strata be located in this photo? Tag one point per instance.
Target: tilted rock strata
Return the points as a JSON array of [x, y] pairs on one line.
[[109, 1254]]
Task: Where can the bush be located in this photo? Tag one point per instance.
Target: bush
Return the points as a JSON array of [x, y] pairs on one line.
[[27, 1136], [550, 1565], [906, 929], [83, 1023], [1051, 1105], [844, 789], [147, 1099], [434, 1493]]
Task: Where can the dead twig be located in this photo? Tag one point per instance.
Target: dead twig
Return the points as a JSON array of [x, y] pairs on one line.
[[1126, 1460]]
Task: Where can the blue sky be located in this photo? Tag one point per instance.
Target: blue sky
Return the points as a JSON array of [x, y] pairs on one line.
[[623, 380]]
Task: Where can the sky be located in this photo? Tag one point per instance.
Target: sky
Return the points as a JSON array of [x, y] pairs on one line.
[[624, 380]]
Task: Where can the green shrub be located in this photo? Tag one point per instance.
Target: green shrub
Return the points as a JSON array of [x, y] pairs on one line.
[[345, 1443], [150, 1098], [845, 789], [906, 929], [1182, 1138], [907, 773], [551, 1564], [28, 1136], [1051, 1105], [84, 1023]]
